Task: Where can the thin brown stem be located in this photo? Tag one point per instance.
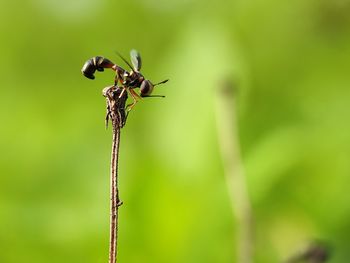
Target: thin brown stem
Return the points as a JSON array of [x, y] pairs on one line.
[[115, 202], [116, 99], [234, 171]]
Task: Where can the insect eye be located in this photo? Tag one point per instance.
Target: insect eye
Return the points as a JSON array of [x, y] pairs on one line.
[[146, 88]]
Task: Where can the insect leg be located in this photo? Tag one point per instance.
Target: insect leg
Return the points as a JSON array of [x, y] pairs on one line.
[[135, 97], [122, 93], [135, 93]]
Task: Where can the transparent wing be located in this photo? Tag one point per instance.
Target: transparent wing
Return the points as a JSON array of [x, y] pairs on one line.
[[136, 59]]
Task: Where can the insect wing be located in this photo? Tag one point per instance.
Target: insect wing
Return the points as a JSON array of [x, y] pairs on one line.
[[136, 59]]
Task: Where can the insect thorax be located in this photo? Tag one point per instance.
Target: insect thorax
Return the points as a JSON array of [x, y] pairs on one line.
[[133, 79]]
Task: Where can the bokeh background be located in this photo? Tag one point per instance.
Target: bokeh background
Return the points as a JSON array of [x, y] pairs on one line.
[[291, 61]]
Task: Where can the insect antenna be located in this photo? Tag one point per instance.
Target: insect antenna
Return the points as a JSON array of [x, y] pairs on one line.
[[162, 82], [156, 96]]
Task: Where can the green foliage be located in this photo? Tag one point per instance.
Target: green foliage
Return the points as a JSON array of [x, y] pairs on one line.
[[291, 60]]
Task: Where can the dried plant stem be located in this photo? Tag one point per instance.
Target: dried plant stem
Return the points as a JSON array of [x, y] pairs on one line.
[[116, 113], [234, 171], [115, 202]]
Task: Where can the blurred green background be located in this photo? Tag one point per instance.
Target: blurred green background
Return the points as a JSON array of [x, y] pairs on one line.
[[291, 60]]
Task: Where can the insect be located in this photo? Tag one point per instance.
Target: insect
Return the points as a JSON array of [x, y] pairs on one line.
[[129, 80]]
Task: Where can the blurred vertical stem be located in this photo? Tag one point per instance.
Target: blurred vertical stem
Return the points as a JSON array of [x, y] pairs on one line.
[[234, 170]]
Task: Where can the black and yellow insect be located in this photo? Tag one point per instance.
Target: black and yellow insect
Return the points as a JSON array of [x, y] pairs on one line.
[[128, 80]]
